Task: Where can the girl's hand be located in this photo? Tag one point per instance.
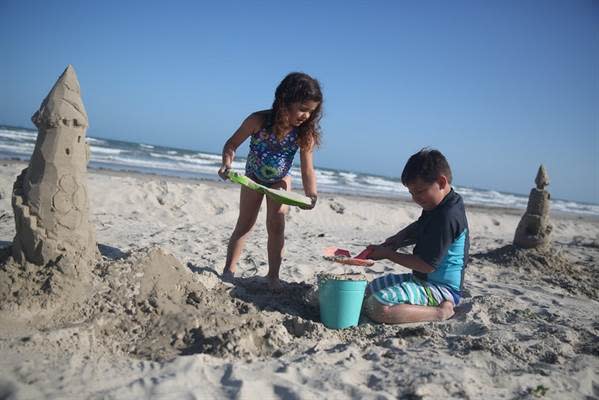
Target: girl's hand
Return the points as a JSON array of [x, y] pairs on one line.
[[223, 172], [313, 197], [379, 252]]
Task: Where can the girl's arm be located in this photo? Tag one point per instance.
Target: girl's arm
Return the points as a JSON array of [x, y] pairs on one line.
[[308, 174], [248, 127]]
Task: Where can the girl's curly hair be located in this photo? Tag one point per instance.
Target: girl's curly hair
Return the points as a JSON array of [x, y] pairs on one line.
[[298, 87]]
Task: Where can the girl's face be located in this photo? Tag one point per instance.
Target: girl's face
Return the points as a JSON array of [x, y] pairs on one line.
[[298, 113]]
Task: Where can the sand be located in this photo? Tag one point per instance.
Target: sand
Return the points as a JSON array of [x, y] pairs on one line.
[[155, 321]]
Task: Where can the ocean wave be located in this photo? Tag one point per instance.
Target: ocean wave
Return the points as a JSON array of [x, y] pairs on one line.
[[184, 158], [207, 156], [385, 185], [105, 150], [579, 208], [348, 176], [154, 164], [18, 135], [92, 140], [123, 156], [18, 149]]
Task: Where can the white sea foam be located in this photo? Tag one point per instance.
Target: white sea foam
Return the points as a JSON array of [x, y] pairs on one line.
[[569, 206], [183, 159], [385, 185], [18, 135], [18, 149], [348, 176], [104, 150], [95, 141], [206, 156]]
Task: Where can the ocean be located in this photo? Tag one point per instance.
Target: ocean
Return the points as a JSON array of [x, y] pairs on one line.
[[18, 144]]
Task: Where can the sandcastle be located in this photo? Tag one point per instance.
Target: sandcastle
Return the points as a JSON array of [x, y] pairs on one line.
[[534, 229], [49, 199]]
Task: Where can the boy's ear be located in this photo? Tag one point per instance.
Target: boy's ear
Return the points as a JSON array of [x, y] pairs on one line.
[[442, 181]]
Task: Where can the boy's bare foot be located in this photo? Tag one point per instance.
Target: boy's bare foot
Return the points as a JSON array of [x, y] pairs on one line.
[[228, 276], [274, 284], [446, 310]]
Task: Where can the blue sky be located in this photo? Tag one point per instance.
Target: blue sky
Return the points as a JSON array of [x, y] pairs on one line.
[[498, 86]]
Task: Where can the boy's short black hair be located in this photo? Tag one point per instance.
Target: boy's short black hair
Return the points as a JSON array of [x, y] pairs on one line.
[[428, 165]]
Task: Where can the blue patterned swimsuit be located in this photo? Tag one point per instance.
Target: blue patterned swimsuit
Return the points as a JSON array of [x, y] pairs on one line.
[[269, 160]]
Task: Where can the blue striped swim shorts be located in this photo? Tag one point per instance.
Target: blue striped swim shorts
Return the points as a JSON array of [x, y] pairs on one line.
[[406, 288]]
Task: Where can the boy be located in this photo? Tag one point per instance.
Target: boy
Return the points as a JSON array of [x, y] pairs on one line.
[[440, 254]]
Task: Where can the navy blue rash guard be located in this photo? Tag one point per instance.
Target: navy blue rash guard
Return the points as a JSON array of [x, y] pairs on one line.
[[442, 241]]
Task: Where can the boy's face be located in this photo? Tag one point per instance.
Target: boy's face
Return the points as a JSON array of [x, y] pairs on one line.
[[429, 195]]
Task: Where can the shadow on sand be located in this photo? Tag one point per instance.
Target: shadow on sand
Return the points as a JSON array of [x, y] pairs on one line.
[[112, 253], [293, 300]]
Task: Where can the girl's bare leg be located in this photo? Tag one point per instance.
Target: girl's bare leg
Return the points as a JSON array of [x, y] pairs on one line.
[[249, 207], [275, 225]]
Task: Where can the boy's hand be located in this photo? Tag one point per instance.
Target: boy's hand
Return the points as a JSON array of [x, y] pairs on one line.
[[223, 172], [380, 252]]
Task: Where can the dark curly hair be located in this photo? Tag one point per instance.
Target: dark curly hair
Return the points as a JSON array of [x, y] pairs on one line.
[[428, 165], [298, 87]]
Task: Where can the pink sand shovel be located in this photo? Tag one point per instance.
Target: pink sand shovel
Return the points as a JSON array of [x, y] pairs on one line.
[[343, 256]]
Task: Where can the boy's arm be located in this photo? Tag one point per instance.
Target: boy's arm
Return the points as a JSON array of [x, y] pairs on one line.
[[407, 260], [247, 128], [405, 237]]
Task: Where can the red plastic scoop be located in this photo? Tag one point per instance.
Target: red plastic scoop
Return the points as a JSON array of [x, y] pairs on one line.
[[343, 256]]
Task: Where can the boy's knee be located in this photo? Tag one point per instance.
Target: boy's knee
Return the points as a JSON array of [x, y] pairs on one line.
[[376, 311]]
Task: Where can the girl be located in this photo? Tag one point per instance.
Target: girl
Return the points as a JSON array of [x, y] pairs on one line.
[[276, 135]]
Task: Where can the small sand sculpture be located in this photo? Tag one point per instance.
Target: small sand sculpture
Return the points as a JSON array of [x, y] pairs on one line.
[[534, 229], [49, 197]]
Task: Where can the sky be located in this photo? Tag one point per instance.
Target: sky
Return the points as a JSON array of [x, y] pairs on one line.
[[498, 86]]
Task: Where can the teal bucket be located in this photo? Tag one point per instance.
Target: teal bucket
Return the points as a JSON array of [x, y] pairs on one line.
[[341, 302]]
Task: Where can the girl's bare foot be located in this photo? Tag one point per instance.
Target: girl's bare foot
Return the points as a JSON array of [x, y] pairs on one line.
[[228, 276], [274, 284]]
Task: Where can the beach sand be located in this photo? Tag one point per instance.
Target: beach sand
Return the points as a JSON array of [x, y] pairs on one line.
[[155, 321]]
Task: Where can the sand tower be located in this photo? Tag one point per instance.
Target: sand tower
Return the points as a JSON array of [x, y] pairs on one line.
[[50, 196], [534, 228]]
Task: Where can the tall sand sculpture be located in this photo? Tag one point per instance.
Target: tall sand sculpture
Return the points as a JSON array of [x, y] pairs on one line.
[[50, 196], [534, 229]]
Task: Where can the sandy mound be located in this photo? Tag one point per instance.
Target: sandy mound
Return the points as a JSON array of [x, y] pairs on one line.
[[553, 265], [147, 304], [46, 294], [153, 307]]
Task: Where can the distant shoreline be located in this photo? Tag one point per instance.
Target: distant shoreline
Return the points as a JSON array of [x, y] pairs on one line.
[[377, 199]]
